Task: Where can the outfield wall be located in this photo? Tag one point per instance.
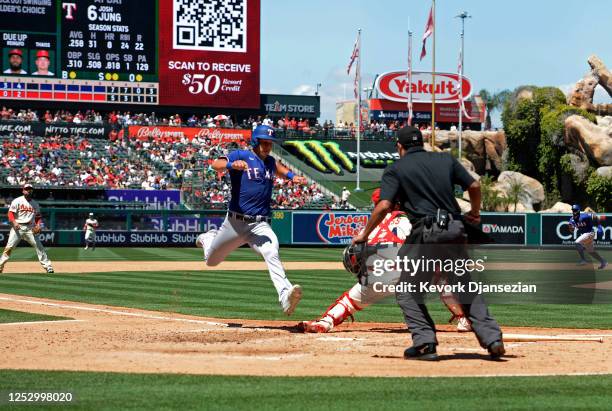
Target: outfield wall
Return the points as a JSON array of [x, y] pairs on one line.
[[179, 228]]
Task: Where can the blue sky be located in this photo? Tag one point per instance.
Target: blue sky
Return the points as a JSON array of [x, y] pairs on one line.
[[507, 43]]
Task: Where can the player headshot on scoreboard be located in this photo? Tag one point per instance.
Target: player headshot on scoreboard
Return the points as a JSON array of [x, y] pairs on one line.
[[43, 61], [15, 60]]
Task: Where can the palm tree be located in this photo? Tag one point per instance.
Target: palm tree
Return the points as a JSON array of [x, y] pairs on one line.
[[516, 190], [493, 101]]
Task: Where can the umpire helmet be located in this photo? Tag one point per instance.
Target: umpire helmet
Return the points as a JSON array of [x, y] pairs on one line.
[[352, 257], [262, 133]]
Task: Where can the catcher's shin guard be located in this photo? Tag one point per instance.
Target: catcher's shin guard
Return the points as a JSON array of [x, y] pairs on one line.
[[449, 300], [336, 314]]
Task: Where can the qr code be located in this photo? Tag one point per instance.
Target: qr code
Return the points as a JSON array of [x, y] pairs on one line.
[[210, 25]]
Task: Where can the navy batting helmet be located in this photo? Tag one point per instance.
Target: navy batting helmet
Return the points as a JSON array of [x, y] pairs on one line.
[[262, 133], [576, 210]]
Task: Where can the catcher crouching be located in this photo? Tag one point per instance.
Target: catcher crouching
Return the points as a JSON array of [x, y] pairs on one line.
[[383, 243]]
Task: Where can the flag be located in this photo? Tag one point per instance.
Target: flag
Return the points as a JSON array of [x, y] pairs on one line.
[[356, 84], [410, 78], [354, 56], [462, 110], [429, 28]]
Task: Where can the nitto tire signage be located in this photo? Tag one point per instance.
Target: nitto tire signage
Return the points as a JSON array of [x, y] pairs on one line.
[[556, 231], [62, 129], [504, 228], [47, 238], [327, 228]]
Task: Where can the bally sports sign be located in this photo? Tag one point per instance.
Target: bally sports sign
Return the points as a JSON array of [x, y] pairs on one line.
[[394, 86]]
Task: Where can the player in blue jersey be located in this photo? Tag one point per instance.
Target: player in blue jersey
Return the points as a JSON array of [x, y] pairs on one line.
[[583, 223], [252, 174]]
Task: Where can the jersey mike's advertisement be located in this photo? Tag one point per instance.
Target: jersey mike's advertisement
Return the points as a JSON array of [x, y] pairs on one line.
[[556, 230], [327, 228], [209, 53]]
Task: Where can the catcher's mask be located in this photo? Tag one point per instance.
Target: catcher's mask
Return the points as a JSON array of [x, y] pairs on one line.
[[353, 258]]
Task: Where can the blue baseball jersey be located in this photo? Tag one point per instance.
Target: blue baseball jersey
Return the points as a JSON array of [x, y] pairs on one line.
[[584, 223], [252, 188]]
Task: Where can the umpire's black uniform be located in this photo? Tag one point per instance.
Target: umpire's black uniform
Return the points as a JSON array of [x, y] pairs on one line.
[[423, 182]]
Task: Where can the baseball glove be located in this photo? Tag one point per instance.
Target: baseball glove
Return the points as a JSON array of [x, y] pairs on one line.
[[37, 229]]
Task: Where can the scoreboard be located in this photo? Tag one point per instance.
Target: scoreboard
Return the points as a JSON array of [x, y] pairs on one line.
[[79, 90], [150, 52]]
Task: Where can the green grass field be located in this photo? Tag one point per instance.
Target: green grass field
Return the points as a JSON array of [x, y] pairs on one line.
[[108, 391], [9, 316], [250, 294], [493, 254]]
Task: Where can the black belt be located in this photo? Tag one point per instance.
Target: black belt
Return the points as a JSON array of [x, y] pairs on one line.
[[249, 218]]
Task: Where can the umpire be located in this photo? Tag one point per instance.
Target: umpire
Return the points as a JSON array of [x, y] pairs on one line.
[[423, 183]]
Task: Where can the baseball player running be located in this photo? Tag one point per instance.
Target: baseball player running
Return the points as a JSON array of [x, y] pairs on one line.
[[26, 221], [91, 224], [252, 174], [388, 237], [583, 223]]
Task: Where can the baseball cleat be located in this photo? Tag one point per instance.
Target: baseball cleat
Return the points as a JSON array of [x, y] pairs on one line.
[[204, 239], [496, 350], [50, 271], [317, 327], [424, 352], [463, 325], [603, 265], [291, 300]]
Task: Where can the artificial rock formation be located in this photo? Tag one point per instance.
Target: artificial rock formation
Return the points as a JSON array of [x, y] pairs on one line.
[[584, 89], [533, 190], [593, 140], [559, 207], [483, 148]]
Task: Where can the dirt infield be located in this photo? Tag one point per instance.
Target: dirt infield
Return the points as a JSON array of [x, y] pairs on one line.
[[102, 338], [72, 267]]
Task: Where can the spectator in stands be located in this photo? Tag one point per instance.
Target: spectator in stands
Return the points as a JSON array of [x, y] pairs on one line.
[[345, 196]]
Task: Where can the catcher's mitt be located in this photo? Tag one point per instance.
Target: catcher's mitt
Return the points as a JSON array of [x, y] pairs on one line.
[[37, 229]]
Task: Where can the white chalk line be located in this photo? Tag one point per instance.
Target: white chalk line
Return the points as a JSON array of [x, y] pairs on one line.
[[263, 357], [340, 339], [42, 322], [115, 312]]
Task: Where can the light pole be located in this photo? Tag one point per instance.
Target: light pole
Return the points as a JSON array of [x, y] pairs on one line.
[[318, 87], [464, 15]]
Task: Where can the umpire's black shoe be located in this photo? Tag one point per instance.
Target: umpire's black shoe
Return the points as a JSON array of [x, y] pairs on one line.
[[424, 352], [496, 350]]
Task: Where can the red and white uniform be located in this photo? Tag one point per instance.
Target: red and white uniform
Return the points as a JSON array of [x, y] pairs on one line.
[[91, 224], [392, 231], [26, 213]]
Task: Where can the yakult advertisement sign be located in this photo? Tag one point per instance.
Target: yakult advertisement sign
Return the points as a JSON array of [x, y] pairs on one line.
[[394, 86], [209, 56]]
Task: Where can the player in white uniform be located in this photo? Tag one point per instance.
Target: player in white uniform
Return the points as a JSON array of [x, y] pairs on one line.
[[91, 224], [252, 173], [26, 220]]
